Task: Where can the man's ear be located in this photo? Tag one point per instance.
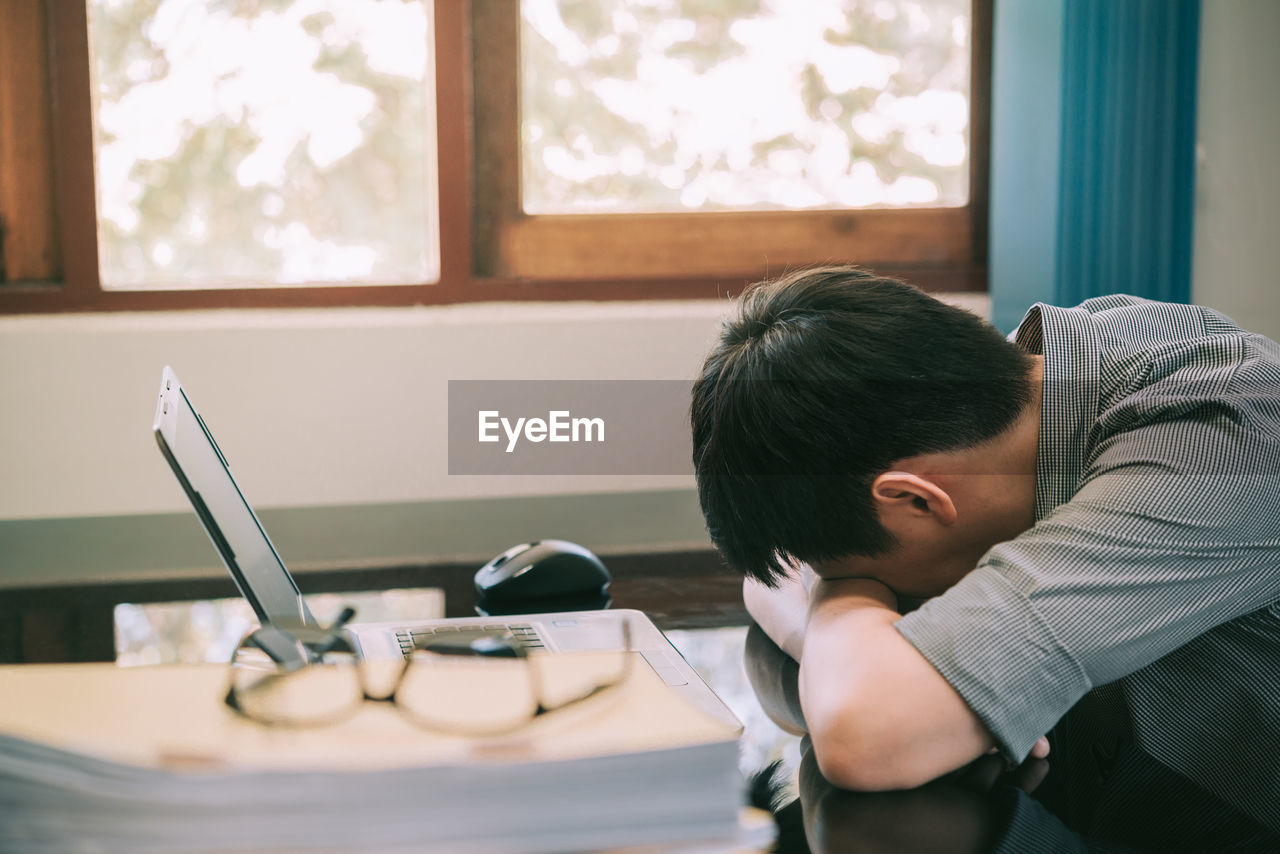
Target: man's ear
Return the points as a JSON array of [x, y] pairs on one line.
[[900, 491]]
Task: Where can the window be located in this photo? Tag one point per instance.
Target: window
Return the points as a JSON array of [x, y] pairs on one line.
[[548, 182], [632, 106], [245, 142]]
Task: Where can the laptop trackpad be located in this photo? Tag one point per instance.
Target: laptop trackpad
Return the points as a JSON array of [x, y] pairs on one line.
[[662, 665]]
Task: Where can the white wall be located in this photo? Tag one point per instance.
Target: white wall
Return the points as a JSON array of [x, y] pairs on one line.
[[335, 424], [313, 407], [1236, 266], [342, 411]]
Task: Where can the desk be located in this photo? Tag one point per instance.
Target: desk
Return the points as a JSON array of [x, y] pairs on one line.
[[678, 589], [719, 653]]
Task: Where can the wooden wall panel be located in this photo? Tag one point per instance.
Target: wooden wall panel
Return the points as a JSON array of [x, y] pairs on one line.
[[28, 227]]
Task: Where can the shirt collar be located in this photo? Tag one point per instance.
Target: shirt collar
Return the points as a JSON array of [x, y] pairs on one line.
[[1067, 339]]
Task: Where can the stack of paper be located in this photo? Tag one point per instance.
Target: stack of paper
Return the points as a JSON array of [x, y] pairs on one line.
[[105, 759]]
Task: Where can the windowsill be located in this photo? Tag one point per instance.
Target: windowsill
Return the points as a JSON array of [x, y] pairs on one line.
[[463, 314]]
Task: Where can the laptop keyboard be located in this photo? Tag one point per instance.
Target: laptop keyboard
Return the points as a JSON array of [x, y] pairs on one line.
[[525, 634]]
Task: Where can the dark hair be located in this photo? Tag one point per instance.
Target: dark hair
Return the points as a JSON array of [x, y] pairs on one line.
[[825, 378]]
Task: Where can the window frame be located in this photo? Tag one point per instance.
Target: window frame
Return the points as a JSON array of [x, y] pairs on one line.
[[489, 249]]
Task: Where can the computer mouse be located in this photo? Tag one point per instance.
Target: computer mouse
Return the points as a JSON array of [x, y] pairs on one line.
[[542, 569]]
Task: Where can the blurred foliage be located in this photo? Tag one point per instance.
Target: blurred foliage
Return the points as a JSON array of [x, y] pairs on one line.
[[650, 105], [247, 141]]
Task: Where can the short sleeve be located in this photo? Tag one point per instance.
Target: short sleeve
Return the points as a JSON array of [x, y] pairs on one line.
[[1152, 551]]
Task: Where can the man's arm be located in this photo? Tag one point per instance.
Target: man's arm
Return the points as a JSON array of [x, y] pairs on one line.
[[879, 714], [888, 718], [775, 679]]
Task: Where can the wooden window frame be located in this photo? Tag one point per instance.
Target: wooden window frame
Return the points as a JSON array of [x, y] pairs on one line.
[[489, 249]]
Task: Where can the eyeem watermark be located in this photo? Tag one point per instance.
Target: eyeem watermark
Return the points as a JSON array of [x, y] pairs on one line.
[[558, 426]]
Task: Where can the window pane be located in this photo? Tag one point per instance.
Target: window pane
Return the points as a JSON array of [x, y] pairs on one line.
[[251, 143], [678, 105]]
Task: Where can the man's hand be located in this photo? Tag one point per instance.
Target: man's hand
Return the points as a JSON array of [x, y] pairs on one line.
[[781, 611]]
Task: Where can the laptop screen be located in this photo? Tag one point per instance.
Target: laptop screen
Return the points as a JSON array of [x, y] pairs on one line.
[[223, 510]]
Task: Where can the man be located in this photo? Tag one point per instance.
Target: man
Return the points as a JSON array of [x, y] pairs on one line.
[[1091, 511]]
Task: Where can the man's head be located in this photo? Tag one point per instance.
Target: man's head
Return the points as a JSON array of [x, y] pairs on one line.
[[842, 413]]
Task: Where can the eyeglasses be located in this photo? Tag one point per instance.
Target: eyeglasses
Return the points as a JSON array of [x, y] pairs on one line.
[[471, 682]]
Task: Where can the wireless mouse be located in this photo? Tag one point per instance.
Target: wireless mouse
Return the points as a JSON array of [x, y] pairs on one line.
[[543, 569]]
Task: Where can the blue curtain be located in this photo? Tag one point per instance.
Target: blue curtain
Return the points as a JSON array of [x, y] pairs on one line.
[[1093, 151]]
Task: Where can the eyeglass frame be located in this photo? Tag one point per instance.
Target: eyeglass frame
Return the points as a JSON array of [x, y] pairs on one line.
[[307, 645]]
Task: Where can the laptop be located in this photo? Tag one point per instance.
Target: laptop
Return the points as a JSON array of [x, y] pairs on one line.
[[265, 582]]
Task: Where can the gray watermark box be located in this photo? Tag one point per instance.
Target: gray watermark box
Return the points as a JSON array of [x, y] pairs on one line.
[[615, 427]]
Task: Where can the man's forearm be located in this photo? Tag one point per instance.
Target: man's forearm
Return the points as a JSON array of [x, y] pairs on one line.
[[775, 679], [881, 717]]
